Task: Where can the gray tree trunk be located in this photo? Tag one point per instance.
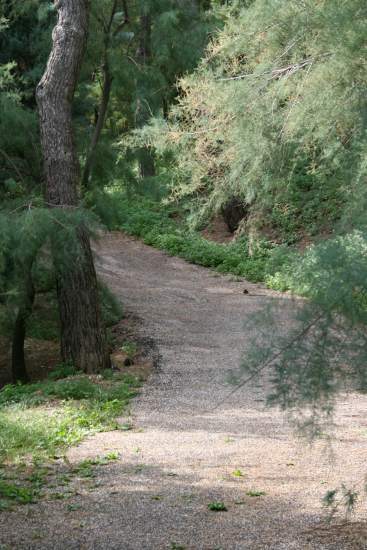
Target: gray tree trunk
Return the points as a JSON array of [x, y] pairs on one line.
[[83, 338]]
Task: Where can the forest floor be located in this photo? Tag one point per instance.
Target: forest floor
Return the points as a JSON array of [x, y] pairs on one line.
[[191, 444]]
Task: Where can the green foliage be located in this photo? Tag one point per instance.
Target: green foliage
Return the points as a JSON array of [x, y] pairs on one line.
[[274, 115], [145, 57], [26, 229], [177, 36], [130, 348], [24, 46], [75, 387]]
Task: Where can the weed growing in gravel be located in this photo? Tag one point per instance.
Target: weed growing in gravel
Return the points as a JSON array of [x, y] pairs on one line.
[[217, 506], [73, 507], [86, 468], [113, 455], [255, 493], [12, 493]]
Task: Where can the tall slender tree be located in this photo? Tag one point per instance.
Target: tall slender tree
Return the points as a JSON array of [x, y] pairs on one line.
[[82, 335], [109, 32], [143, 112]]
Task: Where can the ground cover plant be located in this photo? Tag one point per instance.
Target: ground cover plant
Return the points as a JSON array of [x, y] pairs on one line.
[[27, 483]]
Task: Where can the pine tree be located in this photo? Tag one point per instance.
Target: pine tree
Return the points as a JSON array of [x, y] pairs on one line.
[[82, 335], [273, 115]]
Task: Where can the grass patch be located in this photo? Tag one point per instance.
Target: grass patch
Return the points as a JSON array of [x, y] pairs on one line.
[[42, 420], [27, 483], [64, 370]]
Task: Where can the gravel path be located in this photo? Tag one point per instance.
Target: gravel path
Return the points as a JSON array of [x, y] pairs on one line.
[[183, 448]]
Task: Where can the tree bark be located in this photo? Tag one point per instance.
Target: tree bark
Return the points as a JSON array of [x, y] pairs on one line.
[[19, 370], [83, 338]]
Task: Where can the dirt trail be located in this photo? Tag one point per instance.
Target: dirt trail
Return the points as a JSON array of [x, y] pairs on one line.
[[182, 452]]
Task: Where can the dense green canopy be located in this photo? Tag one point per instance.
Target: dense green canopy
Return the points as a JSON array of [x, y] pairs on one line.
[[276, 115]]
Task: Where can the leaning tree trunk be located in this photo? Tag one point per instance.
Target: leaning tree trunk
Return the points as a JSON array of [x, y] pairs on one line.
[[107, 79], [83, 338]]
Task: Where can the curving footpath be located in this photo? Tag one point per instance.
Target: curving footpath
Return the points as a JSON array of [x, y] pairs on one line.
[[188, 447]]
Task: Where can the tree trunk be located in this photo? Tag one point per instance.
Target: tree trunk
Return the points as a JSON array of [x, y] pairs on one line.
[[83, 338], [146, 163], [106, 92], [19, 370], [102, 112], [143, 113]]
